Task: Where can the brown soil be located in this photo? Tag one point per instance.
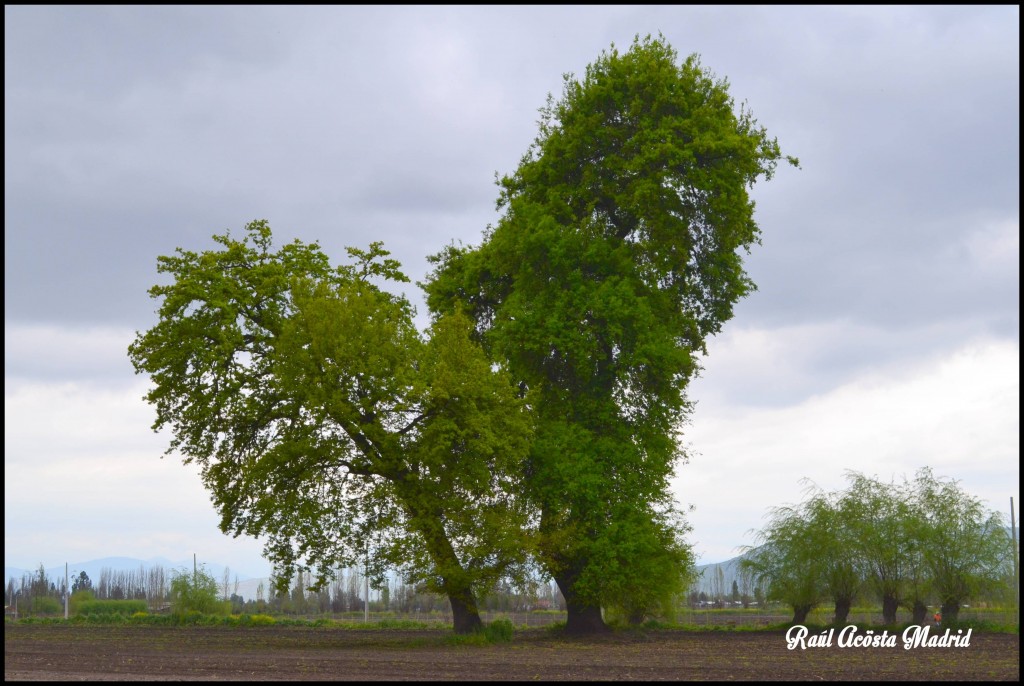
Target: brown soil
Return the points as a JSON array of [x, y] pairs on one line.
[[112, 653]]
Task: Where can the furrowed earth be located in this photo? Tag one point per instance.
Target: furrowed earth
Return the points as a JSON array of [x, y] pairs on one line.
[[135, 653]]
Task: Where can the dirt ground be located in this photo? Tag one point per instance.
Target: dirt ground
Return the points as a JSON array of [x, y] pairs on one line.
[[137, 653]]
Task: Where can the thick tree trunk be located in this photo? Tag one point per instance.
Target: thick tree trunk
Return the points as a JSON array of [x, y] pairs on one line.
[[843, 609], [800, 613], [950, 611], [456, 583], [920, 612], [583, 618], [465, 614], [889, 606]]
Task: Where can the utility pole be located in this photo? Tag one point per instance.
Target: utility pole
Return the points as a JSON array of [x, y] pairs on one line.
[[67, 588]]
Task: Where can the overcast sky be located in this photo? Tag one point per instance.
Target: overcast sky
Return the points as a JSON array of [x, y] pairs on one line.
[[884, 335]]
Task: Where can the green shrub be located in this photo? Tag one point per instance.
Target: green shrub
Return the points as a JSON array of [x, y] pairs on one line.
[[556, 627], [79, 597], [262, 620], [499, 631], [110, 607], [196, 593], [477, 638], [45, 605]]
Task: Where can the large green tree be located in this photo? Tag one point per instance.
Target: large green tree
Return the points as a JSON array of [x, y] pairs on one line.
[[618, 253], [323, 420]]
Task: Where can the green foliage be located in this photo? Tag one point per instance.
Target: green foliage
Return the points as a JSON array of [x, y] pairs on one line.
[[194, 594], [81, 583], [787, 561], [45, 605], [110, 607], [966, 547], [911, 544], [499, 631], [325, 422], [258, 620], [616, 256]]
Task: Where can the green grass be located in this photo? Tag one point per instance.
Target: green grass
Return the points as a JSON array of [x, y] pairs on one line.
[[502, 630]]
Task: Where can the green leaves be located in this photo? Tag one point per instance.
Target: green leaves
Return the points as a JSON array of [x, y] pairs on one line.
[[615, 258], [909, 542], [323, 420]]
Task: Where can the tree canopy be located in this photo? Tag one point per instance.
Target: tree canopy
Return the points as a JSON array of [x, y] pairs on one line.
[[618, 253], [323, 420], [906, 543]]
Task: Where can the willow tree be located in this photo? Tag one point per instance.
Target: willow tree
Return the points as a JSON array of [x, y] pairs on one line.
[[966, 546], [618, 253], [787, 561], [324, 421], [880, 519]]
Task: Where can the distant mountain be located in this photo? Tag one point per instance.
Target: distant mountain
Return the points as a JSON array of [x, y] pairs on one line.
[[730, 572]]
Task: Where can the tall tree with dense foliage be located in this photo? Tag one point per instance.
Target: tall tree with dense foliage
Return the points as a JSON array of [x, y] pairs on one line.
[[322, 419], [618, 253]]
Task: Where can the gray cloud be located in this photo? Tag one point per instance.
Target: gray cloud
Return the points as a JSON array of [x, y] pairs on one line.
[[131, 131]]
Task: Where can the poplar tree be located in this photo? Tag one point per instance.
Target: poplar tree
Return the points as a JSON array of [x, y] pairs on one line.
[[618, 253]]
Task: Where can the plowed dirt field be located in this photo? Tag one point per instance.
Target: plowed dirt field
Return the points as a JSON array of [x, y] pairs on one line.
[[93, 653]]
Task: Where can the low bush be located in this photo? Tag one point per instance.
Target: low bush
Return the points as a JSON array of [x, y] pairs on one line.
[[499, 631], [45, 605], [110, 607]]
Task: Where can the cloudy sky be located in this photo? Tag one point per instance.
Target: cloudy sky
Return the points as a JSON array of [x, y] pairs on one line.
[[884, 335]]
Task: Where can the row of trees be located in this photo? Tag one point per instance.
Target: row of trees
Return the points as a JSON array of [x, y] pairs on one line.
[[535, 423], [745, 590], [151, 584], [36, 593], [903, 544]]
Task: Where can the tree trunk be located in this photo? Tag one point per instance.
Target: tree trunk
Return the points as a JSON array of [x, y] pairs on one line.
[[800, 613], [456, 583], [465, 614], [583, 618], [843, 609], [950, 611], [920, 611], [889, 606]]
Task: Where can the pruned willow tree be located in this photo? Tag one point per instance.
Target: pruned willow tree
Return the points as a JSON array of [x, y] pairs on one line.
[[907, 543], [322, 420], [968, 550], [785, 561], [618, 253], [806, 554]]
